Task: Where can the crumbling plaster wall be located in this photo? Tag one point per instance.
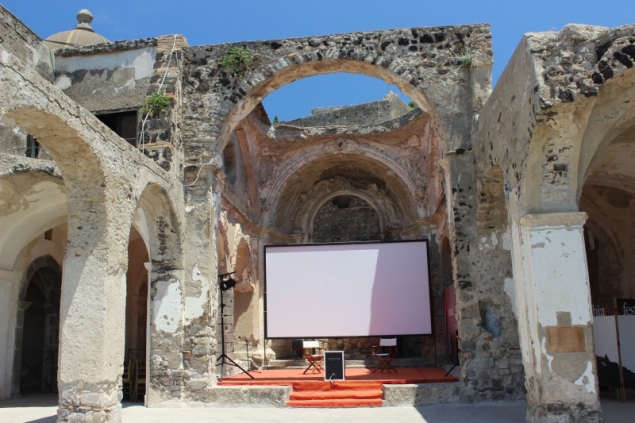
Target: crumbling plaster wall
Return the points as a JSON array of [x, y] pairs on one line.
[[107, 77], [104, 178], [22, 42], [554, 105], [428, 64]]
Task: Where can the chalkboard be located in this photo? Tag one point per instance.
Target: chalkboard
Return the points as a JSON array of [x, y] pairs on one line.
[[334, 365]]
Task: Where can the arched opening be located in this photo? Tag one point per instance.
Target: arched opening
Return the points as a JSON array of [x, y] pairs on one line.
[[37, 328], [292, 167], [40, 333], [32, 242], [369, 172], [134, 376], [607, 195], [155, 313]]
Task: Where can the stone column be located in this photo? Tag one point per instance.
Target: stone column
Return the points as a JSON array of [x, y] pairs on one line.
[[555, 319], [165, 339], [200, 297], [92, 306], [8, 290]]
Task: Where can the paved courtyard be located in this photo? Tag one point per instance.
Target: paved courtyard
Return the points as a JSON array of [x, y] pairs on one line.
[[42, 409]]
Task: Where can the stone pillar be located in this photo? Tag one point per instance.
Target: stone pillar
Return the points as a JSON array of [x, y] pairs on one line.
[[8, 290], [555, 318], [92, 306], [165, 343], [200, 297]]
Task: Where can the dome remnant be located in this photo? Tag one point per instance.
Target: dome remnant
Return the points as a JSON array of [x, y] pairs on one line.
[[83, 34]]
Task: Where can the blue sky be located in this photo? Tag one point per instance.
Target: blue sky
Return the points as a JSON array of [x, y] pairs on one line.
[[212, 22]]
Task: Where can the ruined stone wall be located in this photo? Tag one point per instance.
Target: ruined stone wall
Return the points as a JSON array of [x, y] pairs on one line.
[[425, 63], [107, 77], [104, 178], [21, 41], [543, 124], [160, 136], [389, 108], [346, 218], [26, 45]]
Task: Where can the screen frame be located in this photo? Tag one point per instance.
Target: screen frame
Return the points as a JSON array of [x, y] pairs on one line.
[[430, 297]]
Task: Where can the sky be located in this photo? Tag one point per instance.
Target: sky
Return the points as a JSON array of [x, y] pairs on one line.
[[212, 22]]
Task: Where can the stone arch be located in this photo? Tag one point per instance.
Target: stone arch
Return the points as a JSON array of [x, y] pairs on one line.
[[37, 264], [335, 149], [25, 219], [293, 204], [163, 225], [81, 167], [605, 184], [419, 61], [50, 286], [277, 76], [577, 142]]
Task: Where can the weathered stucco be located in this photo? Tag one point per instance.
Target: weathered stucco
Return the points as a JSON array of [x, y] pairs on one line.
[[499, 182]]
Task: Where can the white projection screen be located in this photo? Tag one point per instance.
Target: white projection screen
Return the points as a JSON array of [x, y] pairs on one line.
[[347, 290]]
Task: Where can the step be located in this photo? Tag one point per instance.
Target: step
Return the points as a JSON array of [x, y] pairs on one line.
[[333, 403], [324, 395], [336, 386]]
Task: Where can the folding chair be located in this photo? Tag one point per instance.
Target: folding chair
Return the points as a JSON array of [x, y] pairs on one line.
[[314, 353], [384, 353]]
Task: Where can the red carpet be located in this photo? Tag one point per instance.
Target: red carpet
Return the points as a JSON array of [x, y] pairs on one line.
[[362, 388]]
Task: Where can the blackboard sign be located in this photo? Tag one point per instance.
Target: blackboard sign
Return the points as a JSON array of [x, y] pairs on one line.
[[334, 365]]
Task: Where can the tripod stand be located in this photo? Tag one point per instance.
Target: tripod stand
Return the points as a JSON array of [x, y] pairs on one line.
[[224, 358]]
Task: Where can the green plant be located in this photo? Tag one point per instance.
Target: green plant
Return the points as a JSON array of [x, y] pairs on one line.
[[155, 104], [465, 61], [412, 105], [275, 120], [238, 59]]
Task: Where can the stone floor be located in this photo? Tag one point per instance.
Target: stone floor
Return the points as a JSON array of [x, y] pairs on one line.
[[42, 408]]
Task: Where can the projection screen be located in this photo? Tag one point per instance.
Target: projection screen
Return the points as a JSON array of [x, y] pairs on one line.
[[347, 290]]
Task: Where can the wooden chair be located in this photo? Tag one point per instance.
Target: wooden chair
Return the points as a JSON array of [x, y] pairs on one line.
[[129, 372], [314, 353], [384, 353]]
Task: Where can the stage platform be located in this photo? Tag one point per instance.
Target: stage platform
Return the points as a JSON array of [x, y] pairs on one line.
[[290, 376], [362, 387]]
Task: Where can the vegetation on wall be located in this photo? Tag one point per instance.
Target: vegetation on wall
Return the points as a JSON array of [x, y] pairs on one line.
[[237, 59], [156, 103]]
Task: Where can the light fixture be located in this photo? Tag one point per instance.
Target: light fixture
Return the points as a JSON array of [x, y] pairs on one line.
[[226, 281]]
